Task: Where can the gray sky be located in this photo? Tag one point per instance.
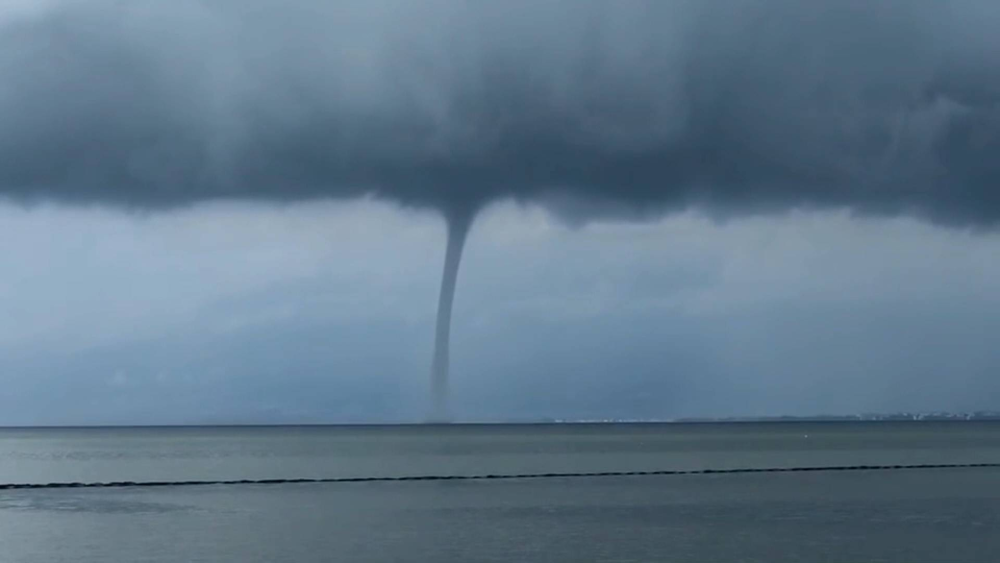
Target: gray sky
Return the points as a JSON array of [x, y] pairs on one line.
[[734, 106], [324, 312], [230, 210]]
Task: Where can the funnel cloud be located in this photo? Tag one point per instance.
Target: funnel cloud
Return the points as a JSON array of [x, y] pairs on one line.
[[591, 107], [459, 221]]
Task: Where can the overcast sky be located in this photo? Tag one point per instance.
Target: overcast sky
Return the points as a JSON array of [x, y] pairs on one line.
[[323, 312], [235, 210]]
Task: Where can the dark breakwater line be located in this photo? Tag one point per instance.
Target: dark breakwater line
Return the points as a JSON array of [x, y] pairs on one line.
[[508, 476]]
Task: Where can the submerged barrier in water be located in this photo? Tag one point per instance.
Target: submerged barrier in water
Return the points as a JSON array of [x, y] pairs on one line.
[[509, 476]]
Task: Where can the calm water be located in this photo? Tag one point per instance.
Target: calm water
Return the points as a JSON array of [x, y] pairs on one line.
[[912, 516]]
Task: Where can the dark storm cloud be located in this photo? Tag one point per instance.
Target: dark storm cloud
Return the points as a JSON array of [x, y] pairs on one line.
[[736, 106]]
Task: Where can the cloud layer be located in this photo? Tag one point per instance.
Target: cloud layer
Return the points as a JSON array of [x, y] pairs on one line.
[[734, 106]]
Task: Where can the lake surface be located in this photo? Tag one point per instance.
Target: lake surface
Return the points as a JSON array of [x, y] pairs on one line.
[[909, 515]]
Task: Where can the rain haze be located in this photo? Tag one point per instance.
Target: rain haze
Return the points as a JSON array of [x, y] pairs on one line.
[[221, 211]]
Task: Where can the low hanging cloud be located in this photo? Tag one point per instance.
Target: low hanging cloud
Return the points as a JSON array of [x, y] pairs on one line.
[[732, 106]]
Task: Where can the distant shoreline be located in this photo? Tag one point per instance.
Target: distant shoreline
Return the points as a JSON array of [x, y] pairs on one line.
[[985, 417]]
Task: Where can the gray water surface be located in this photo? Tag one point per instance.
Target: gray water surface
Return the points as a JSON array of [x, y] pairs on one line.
[[221, 453], [887, 516]]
